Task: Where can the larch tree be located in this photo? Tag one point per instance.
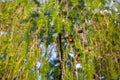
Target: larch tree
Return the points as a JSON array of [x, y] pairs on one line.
[[59, 40]]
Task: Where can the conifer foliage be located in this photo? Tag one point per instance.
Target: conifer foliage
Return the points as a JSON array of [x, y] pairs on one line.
[[59, 40]]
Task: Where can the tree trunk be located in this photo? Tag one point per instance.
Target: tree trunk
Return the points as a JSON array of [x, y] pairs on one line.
[[61, 57]]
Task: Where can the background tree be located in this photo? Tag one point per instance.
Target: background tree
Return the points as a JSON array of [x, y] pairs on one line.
[[59, 39]]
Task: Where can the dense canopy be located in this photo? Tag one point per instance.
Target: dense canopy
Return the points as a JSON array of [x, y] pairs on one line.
[[59, 39]]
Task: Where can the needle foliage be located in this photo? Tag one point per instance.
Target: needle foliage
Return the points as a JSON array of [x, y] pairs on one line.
[[59, 40]]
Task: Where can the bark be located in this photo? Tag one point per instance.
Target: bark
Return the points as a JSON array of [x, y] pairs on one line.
[[61, 57]]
